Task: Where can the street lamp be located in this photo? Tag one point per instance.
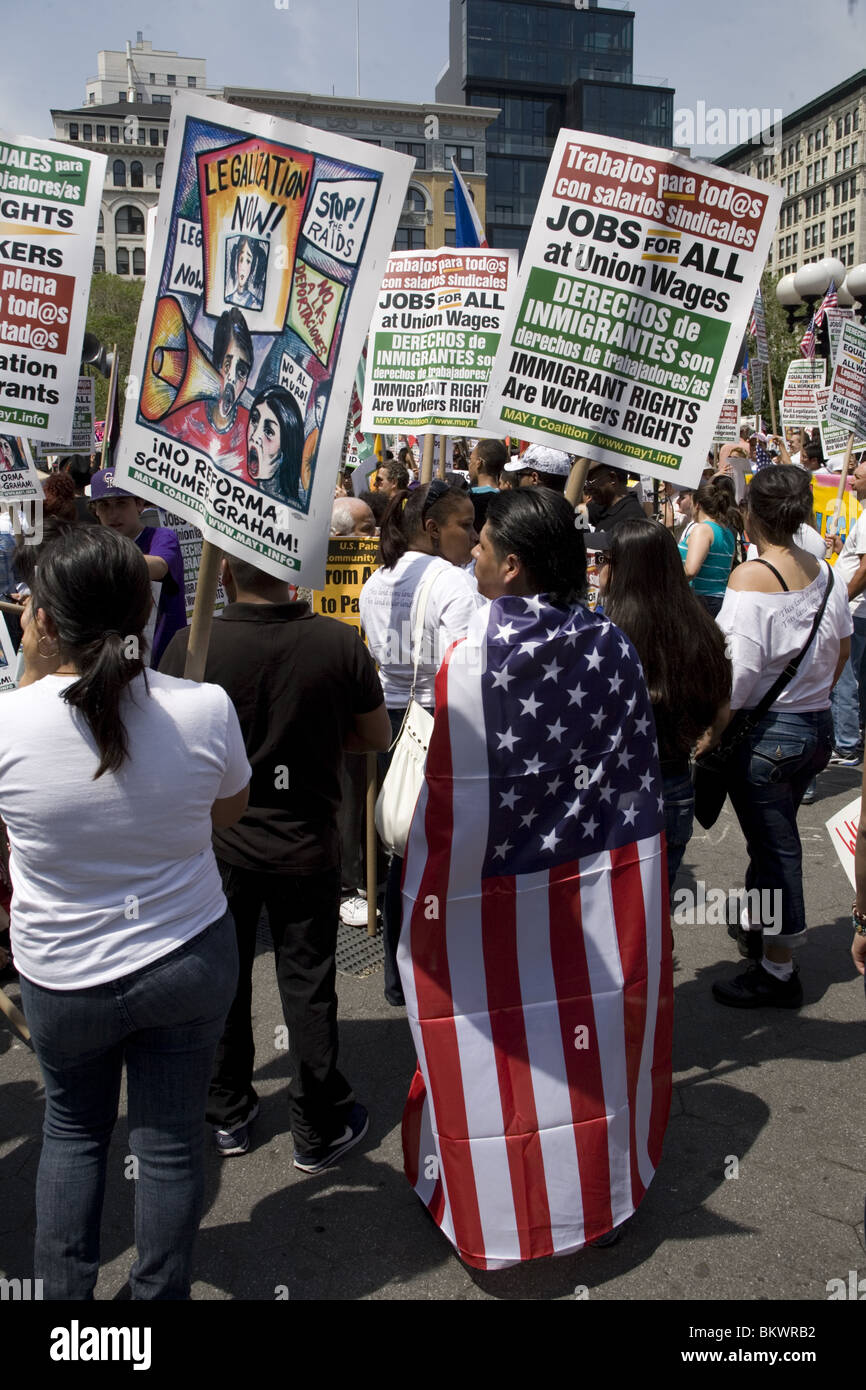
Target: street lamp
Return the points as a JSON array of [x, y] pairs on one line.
[[855, 284], [789, 298]]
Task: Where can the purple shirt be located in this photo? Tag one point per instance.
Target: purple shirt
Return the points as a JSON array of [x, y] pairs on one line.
[[171, 609]]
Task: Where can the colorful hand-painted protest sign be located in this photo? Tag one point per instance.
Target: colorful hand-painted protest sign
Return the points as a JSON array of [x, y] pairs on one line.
[[635, 290], [433, 338], [18, 480], [270, 244], [49, 213]]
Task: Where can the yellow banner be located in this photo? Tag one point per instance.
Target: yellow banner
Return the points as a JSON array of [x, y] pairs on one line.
[[351, 561]]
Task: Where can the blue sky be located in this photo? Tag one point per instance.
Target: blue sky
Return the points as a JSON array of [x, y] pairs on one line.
[[727, 53]]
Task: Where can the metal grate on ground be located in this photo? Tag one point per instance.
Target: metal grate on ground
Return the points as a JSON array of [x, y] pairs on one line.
[[358, 954]]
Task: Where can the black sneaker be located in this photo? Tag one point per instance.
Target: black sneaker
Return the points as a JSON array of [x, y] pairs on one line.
[[757, 988], [231, 1142], [317, 1160], [750, 944]]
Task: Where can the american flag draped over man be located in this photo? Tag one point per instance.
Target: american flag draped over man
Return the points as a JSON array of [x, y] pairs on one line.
[[535, 952]]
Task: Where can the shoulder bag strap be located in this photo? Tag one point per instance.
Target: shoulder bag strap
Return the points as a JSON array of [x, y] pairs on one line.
[[418, 629]]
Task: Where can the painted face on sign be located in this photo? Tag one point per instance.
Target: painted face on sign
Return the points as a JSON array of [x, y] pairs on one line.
[[234, 370], [245, 265], [263, 443]]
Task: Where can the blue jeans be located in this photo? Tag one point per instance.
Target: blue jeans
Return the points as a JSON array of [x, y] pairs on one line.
[[768, 774], [848, 698], [165, 1021], [679, 799]]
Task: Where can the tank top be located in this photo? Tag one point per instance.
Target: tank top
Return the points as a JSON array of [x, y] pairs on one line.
[[712, 577]]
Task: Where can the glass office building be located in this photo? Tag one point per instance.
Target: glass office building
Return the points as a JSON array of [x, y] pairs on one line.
[[545, 64]]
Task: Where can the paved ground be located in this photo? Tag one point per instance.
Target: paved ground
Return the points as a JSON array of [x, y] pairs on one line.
[[780, 1093]]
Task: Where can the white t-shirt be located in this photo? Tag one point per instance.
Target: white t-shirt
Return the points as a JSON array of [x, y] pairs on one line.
[[765, 631], [806, 537], [848, 562], [388, 610], [109, 875]]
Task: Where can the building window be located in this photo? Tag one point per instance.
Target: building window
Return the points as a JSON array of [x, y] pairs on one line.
[[142, 135], [847, 122], [794, 244], [100, 226], [136, 174], [154, 136], [450, 236], [129, 221], [100, 133], [121, 97], [114, 134], [839, 129], [162, 100], [99, 258], [119, 173], [409, 239], [73, 130], [159, 176], [414, 201], [418, 152], [122, 261], [190, 81], [165, 137], [463, 156], [87, 132], [171, 79], [449, 199], [138, 261]]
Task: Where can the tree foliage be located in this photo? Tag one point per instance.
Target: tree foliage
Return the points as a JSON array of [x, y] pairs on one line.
[[111, 316]]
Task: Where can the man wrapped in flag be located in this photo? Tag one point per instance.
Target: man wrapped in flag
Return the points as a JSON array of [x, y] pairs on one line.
[[535, 950]]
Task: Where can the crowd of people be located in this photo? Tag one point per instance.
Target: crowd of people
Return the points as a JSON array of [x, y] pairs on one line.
[[151, 820]]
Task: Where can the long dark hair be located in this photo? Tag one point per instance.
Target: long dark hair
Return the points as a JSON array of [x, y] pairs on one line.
[[717, 497], [537, 526], [780, 501], [407, 512], [287, 480], [682, 650], [94, 586]]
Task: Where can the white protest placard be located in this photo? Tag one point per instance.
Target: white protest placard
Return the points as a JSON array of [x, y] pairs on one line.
[[293, 227], [18, 480], [842, 829], [8, 659], [847, 406], [82, 438], [728, 424], [834, 438], [190, 541], [756, 372], [434, 335], [635, 290], [836, 317], [805, 376], [50, 197]]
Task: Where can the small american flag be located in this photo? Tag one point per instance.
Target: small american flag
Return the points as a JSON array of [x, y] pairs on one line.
[[807, 342], [535, 953], [762, 458], [830, 301]]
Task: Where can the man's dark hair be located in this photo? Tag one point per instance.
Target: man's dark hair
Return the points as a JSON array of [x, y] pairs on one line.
[[396, 472], [537, 526], [231, 323], [492, 457], [251, 579]]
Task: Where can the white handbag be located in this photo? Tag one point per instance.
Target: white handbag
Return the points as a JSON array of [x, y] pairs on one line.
[[395, 804]]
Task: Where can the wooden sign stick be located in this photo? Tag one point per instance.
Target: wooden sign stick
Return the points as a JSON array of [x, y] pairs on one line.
[[202, 613]]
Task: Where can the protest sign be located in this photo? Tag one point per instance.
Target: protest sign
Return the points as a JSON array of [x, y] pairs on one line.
[[762, 351], [847, 405], [8, 659], [805, 376], [728, 424], [836, 317], [190, 540], [50, 204], [634, 293], [834, 438], [82, 437], [18, 479], [830, 519], [270, 244], [351, 561], [434, 334], [842, 829], [757, 389]]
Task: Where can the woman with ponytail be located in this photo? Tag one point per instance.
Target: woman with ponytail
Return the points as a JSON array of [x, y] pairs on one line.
[[707, 546], [425, 534], [111, 778]]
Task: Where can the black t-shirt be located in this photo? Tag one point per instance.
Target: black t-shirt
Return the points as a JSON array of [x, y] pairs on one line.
[[297, 680], [607, 519]]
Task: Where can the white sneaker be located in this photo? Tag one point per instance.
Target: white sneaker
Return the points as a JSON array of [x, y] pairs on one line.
[[353, 912]]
